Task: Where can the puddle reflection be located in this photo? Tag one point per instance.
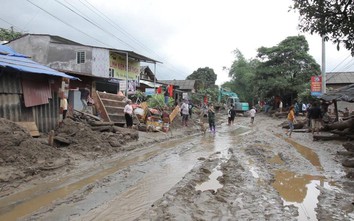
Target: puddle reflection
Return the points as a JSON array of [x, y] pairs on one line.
[[300, 191], [212, 183], [306, 152]]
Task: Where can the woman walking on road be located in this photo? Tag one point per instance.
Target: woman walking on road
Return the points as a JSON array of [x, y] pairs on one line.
[[211, 118], [291, 120]]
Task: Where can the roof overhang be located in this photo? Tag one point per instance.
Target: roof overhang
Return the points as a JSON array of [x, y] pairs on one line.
[[10, 59]]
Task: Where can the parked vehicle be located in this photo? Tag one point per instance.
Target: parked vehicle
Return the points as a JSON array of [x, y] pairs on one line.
[[233, 99]]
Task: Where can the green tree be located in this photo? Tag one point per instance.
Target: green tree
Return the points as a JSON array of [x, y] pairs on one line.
[[242, 72], [205, 78], [332, 19], [8, 34], [285, 69]]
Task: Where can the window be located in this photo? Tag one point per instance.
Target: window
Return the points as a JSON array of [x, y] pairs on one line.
[[111, 72], [80, 57]]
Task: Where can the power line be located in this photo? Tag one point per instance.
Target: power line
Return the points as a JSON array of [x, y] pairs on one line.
[[340, 63], [349, 65], [68, 24], [116, 26], [91, 22], [120, 29], [11, 24]]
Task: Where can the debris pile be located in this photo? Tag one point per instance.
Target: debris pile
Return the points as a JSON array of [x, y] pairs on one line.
[[21, 155], [85, 133]]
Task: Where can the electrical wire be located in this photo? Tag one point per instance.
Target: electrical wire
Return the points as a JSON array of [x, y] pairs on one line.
[[91, 22], [120, 29], [11, 24], [82, 32], [116, 26], [173, 69]]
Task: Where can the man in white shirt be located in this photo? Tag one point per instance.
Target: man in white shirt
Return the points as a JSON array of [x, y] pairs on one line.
[[128, 114], [252, 114]]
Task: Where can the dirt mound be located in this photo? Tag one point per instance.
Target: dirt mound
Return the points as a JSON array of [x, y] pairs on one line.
[[93, 137], [20, 154]]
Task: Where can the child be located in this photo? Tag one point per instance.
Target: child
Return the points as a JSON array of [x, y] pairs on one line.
[[291, 120], [252, 114]]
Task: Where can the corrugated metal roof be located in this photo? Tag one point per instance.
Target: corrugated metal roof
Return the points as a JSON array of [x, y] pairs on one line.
[[340, 77], [11, 59], [183, 84]]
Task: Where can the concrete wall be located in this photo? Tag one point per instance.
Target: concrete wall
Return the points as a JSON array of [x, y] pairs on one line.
[[63, 57], [100, 66], [34, 46]]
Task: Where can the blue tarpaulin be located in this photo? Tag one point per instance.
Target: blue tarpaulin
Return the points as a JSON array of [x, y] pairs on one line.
[[11, 59]]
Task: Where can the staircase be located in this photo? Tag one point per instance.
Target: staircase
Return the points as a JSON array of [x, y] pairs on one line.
[[112, 108]]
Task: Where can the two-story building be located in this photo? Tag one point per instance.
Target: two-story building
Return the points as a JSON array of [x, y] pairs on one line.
[[101, 69]]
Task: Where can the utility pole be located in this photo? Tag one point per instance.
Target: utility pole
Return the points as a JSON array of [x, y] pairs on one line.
[[323, 66]]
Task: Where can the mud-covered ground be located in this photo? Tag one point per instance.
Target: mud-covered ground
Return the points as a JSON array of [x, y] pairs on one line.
[[264, 176], [267, 176]]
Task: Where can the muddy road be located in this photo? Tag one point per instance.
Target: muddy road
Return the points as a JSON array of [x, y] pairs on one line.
[[243, 172]]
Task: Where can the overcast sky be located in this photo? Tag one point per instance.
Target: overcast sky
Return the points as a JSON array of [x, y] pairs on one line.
[[184, 35]]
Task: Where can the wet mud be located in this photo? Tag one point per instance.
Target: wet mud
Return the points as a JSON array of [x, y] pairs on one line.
[[243, 172]]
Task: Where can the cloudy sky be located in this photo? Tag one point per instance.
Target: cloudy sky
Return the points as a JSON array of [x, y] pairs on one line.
[[184, 35]]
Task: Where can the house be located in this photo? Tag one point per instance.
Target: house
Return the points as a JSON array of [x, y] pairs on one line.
[[104, 70], [183, 87], [336, 80], [148, 82], [29, 92]]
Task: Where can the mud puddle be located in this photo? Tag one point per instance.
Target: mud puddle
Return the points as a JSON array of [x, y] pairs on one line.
[[300, 191], [132, 203]]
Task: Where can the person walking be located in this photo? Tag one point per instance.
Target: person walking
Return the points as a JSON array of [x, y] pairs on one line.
[[280, 106], [85, 92], [128, 114], [315, 114], [231, 115], [211, 118], [291, 120], [185, 113], [190, 108], [252, 114]]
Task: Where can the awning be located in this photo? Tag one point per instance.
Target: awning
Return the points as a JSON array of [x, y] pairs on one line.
[[150, 84], [11, 59]]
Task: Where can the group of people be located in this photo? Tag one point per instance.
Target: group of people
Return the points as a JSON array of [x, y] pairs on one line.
[[209, 112], [186, 112], [314, 116]]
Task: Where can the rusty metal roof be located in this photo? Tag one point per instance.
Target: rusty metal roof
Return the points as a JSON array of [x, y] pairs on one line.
[[345, 93]]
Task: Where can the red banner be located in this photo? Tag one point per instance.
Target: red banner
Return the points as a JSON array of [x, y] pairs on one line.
[[316, 85]]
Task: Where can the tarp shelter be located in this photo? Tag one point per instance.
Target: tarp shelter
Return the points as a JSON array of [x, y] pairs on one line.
[[345, 93], [11, 59]]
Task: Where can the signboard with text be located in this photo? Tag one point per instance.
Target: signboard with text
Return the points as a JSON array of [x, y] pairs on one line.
[[118, 63], [316, 86]]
